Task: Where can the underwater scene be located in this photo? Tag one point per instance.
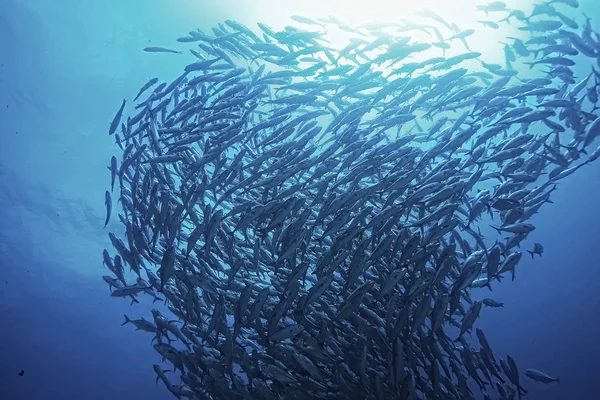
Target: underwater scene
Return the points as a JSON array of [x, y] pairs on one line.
[[265, 199]]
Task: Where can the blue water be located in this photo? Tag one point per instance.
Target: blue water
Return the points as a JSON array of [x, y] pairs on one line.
[[65, 66]]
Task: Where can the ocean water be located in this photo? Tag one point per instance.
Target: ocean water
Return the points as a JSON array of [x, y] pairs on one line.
[[65, 66]]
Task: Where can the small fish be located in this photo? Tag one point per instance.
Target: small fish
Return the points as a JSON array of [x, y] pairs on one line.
[[117, 119], [161, 50], [108, 204], [489, 24], [504, 204], [518, 14], [146, 86], [128, 291], [140, 324], [114, 171], [515, 228], [570, 3], [537, 249], [492, 303], [493, 6], [539, 376], [286, 333]]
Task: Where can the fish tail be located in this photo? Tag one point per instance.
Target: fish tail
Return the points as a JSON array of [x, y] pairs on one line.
[[521, 388], [489, 208], [530, 252], [126, 320], [497, 229]]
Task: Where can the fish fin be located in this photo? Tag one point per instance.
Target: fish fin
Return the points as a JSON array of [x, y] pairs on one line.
[[497, 229]]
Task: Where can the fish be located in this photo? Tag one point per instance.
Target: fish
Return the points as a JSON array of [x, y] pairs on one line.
[[493, 6], [515, 228], [314, 215], [537, 249], [117, 119], [286, 333], [539, 376], [160, 374], [492, 303], [140, 324], [154, 49], [570, 3], [108, 205], [517, 14], [489, 24], [146, 86], [127, 291], [504, 204], [113, 172]]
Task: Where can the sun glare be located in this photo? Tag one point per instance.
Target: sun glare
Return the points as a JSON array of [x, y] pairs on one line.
[[459, 14]]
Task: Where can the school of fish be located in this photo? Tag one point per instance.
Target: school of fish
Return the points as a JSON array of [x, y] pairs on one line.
[[310, 216]]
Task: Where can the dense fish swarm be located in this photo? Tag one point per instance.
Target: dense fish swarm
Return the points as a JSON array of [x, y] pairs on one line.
[[311, 220]]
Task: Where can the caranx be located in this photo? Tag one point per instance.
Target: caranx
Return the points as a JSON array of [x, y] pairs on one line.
[[316, 216]]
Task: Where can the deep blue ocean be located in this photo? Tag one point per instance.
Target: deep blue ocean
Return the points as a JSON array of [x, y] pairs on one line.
[[65, 66]]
